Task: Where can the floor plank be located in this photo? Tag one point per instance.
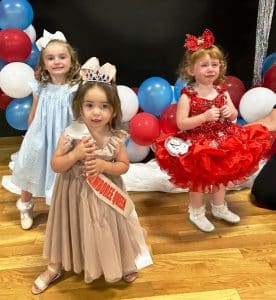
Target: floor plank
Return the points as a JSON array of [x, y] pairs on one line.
[[233, 262]]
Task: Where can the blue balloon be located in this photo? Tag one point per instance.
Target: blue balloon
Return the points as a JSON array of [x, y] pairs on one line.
[[33, 58], [16, 14], [178, 86], [154, 95], [240, 120], [2, 64], [126, 141], [17, 112], [268, 62]]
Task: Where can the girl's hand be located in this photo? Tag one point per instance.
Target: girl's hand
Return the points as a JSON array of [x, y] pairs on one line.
[[85, 149], [94, 167], [212, 114], [226, 111]]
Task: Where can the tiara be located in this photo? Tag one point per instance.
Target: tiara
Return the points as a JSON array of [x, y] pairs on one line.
[[193, 43], [92, 71]]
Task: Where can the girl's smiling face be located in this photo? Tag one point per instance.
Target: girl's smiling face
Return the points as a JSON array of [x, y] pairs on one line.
[[57, 60]]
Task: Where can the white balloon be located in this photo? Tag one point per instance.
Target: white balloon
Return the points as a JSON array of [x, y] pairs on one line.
[[14, 79], [30, 31], [136, 152], [256, 103], [129, 102]]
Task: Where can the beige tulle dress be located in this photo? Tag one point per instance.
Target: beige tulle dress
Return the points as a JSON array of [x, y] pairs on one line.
[[85, 234]]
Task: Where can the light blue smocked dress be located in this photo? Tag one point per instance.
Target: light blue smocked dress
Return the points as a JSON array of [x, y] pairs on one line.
[[32, 170]]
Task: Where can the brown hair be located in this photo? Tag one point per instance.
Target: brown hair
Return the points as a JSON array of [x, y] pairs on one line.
[[72, 77], [190, 58], [112, 96]]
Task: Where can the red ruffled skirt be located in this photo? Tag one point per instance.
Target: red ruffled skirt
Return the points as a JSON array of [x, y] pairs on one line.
[[208, 163]]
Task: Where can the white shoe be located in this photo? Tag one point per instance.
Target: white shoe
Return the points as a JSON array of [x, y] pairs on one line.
[[198, 218], [26, 213], [222, 212]]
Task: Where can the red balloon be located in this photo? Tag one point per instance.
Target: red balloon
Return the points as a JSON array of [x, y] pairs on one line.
[[236, 89], [168, 119], [135, 89], [144, 128], [272, 149], [270, 78], [4, 100], [15, 45]]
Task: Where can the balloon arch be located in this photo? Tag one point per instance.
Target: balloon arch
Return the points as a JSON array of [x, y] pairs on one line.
[[148, 110]]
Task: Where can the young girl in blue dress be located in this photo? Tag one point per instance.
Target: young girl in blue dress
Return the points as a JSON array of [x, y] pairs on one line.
[[57, 76]]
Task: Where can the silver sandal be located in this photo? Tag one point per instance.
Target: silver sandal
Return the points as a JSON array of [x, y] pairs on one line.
[[40, 284]]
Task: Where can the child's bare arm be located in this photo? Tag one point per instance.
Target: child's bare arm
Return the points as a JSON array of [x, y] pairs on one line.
[[62, 162], [268, 121], [228, 110], [33, 110]]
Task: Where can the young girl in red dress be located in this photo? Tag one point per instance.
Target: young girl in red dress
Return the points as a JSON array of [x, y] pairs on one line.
[[210, 152]]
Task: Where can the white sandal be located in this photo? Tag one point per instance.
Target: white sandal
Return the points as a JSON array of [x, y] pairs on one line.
[[40, 284], [130, 277]]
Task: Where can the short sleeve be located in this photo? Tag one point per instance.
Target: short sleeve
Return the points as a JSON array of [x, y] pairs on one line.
[[35, 87], [67, 143]]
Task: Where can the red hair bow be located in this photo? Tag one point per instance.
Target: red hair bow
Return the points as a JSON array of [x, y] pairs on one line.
[[193, 43]]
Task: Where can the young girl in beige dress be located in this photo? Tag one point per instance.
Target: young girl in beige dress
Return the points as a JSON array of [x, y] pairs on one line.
[[92, 224]]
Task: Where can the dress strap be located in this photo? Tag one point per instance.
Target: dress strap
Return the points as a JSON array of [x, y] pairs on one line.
[[221, 89], [189, 91]]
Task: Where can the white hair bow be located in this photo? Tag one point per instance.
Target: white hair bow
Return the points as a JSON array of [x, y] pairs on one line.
[[47, 37]]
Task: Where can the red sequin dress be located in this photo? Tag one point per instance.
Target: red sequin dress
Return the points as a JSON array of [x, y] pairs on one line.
[[220, 152]]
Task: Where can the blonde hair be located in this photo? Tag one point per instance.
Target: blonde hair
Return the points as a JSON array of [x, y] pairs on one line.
[[190, 58], [72, 77], [112, 96]]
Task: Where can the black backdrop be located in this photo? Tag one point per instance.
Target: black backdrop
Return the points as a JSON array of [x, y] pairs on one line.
[[144, 38]]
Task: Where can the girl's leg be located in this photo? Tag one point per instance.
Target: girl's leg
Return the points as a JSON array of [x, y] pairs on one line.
[[26, 196], [220, 209], [25, 206], [197, 212], [52, 273]]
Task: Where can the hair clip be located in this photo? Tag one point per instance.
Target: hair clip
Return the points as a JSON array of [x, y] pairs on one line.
[[193, 43], [91, 71], [47, 37]]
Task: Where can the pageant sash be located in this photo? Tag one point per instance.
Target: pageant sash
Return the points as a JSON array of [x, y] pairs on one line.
[[108, 192]]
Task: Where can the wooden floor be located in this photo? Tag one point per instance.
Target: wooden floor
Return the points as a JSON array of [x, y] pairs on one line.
[[233, 262]]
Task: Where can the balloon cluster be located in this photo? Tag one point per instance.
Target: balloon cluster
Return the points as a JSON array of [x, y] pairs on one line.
[[18, 57], [269, 72], [258, 101]]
